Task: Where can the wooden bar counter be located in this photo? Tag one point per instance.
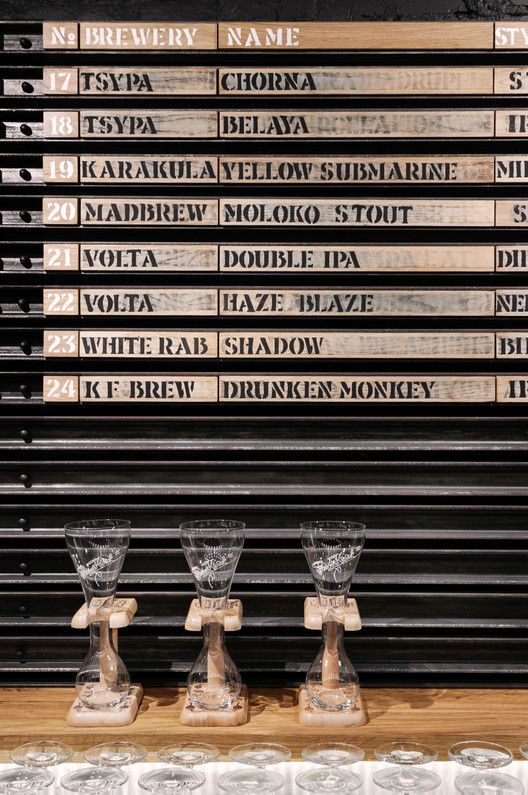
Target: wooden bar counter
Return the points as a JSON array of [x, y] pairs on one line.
[[438, 717]]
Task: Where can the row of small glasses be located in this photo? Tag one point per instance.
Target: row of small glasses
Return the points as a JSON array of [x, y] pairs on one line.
[[108, 760]]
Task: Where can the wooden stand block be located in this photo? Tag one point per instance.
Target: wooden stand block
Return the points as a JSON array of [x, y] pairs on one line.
[[118, 716], [118, 617], [313, 618], [310, 715], [232, 616], [236, 715], [123, 611]]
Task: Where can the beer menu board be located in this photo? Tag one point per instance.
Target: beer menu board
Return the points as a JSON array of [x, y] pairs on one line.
[[264, 212]]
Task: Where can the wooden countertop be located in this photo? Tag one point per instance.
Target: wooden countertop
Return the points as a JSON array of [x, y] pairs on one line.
[[438, 717]]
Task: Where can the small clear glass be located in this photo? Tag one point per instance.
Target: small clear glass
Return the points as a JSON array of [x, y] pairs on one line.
[[95, 781], [120, 753], [330, 778], [406, 776], [171, 779], [42, 753], [188, 754], [98, 548], [332, 550], [212, 549], [25, 779], [255, 778], [484, 758]]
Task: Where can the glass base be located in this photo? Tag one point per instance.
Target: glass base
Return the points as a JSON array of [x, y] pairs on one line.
[[94, 780], [116, 754], [250, 780], [407, 779], [328, 780], [171, 779], [25, 779], [488, 783], [41, 753], [188, 754], [98, 696]]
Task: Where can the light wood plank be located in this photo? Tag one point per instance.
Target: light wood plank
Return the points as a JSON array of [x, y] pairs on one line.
[[130, 344], [364, 124], [356, 212], [338, 170], [109, 123], [356, 345], [135, 211], [149, 302], [437, 716], [355, 389], [147, 36], [151, 80], [142, 388], [256, 259], [356, 81], [162, 169], [346, 303], [125, 258], [356, 35], [512, 389]]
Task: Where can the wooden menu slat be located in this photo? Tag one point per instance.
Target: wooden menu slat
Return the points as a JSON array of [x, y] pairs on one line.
[[356, 345], [512, 389], [361, 389], [170, 169], [149, 81], [147, 123], [148, 212], [130, 301], [353, 124], [356, 35], [129, 344], [356, 212], [336, 170], [288, 259], [323, 303], [147, 36], [511, 345], [125, 258], [313, 81], [129, 388]]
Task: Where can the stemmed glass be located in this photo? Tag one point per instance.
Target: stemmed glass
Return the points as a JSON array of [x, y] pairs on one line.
[[171, 779], [484, 758], [188, 754], [25, 779], [255, 778], [120, 753], [40, 754], [332, 550], [94, 780], [330, 778], [184, 756], [212, 549], [406, 777], [98, 549]]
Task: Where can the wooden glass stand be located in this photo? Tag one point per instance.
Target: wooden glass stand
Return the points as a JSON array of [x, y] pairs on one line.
[[120, 616], [238, 713], [309, 713]]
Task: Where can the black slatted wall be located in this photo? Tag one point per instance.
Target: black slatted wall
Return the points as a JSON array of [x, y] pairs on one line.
[[442, 489]]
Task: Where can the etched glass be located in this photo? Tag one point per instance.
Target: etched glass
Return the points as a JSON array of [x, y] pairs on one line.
[[212, 549], [98, 548], [332, 550]]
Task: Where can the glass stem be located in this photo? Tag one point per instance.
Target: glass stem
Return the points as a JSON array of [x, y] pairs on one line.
[[333, 616], [101, 644], [332, 639], [213, 616]]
